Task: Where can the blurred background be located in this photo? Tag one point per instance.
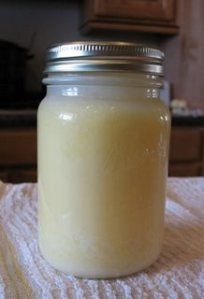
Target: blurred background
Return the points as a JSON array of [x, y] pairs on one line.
[[27, 28]]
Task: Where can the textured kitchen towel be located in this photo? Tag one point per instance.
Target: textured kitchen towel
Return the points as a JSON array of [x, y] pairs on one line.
[[178, 273]]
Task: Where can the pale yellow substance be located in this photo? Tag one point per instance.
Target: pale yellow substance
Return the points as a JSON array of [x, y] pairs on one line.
[[102, 175]]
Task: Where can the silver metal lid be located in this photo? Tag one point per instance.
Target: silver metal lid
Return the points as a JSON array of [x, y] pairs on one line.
[[103, 56]]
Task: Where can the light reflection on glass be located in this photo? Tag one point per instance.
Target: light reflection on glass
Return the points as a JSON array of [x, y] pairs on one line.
[[66, 116], [71, 91], [152, 93], [166, 117]]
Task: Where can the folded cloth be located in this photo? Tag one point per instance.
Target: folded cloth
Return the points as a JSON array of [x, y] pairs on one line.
[[178, 273]]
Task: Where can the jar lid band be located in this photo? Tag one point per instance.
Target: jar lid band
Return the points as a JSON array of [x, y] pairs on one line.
[[104, 56]]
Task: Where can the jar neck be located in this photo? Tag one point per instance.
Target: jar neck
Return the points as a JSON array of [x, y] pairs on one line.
[[103, 84], [99, 91]]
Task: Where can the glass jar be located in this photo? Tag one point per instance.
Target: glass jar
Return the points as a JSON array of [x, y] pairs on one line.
[[103, 137]]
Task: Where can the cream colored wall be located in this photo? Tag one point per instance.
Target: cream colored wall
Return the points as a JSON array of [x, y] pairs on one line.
[[52, 21], [185, 53], [55, 21]]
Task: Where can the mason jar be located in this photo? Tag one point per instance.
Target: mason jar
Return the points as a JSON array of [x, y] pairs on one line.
[[103, 137]]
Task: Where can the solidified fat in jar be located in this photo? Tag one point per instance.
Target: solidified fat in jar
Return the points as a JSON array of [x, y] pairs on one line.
[[102, 175]]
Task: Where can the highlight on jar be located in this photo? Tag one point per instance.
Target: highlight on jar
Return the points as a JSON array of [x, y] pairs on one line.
[[103, 139]]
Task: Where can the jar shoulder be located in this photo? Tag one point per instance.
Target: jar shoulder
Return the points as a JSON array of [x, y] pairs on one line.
[[81, 107]]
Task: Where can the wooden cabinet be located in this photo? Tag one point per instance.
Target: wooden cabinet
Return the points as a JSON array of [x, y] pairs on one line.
[[130, 15], [185, 169], [18, 147], [159, 10], [18, 151], [187, 151], [186, 144]]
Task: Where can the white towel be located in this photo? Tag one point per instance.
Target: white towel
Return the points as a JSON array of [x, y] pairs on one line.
[[178, 273]]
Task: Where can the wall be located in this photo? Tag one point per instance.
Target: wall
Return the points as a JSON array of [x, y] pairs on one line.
[[51, 22], [56, 21], [185, 53]]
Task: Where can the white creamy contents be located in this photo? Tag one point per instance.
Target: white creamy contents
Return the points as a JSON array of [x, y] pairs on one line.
[[102, 175]]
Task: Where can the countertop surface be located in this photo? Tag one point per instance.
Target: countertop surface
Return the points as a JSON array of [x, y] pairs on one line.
[[17, 117], [188, 121], [28, 117], [178, 273]]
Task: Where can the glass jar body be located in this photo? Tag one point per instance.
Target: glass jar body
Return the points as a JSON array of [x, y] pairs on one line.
[[102, 167]]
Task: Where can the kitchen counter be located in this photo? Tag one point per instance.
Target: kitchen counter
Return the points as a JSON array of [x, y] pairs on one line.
[[18, 146], [13, 118], [188, 121], [28, 117]]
